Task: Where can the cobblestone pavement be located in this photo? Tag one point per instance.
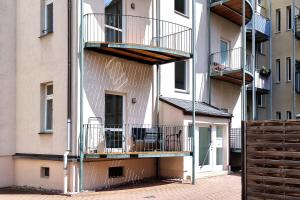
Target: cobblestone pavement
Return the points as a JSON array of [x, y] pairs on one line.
[[227, 187]]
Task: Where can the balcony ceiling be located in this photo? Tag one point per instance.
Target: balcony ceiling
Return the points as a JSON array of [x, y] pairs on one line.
[[232, 10], [235, 77], [139, 53]]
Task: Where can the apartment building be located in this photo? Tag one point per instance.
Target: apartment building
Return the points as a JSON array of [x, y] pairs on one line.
[[100, 91]]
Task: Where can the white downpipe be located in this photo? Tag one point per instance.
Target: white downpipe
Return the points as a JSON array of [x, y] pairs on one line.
[[66, 172]]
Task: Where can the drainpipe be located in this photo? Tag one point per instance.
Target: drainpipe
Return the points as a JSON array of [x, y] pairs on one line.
[[244, 110], [193, 90], [253, 64], [69, 121], [209, 51], [270, 63], [294, 59], [81, 43]]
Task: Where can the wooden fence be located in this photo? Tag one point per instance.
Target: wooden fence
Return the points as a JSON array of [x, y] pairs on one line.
[[271, 160]]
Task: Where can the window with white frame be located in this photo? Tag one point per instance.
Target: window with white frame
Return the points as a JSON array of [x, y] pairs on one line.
[[181, 7], [47, 16], [181, 76], [288, 69], [288, 18], [278, 20], [261, 48], [278, 71], [278, 115], [288, 115], [48, 108], [260, 100]]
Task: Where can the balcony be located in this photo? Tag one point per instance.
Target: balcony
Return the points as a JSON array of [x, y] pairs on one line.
[[134, 38], [297, 22], [227, 66], [136, 141], [262, 28], [262, 83], [232, 10]]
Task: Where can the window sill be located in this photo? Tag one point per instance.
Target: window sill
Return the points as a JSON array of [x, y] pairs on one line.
[[46, 133], [277, 32], [181, 14], [182, 91], [277, 82], [45, 34]]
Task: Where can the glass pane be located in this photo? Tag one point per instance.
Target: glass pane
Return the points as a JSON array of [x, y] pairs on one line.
[[180, 75], [49, 89], [219, 132], [204, 146], [219, 156], [113, 111], [114, 139], [180, 6], [113, 20], [49, 115], [224, 53]]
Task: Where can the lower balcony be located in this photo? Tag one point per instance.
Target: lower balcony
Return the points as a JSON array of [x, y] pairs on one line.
[[262, 82], [135, 141], [142, 39], [227, 66]]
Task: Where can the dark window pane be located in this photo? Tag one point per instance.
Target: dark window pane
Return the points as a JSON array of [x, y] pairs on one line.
[[114, 139], [49, 89], [113, 110], [113, 18], [49, 116], [180, 75], [114, 172], [180, 6], [50, 18]]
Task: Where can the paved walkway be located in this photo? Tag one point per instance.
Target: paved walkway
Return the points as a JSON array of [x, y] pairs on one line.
[[227, 187]]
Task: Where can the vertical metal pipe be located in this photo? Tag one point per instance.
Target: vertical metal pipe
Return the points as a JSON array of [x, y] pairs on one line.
[[270, 62], [193, 89], [244, 112], [253, 62], [209, 51], [81, 96], [294, 58]]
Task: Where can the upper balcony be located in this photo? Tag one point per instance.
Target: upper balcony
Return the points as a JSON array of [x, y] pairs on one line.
[[136, 141], [232, 10], [297, 21], [227, 66], [262, 28], [262, 82], [140, 39]]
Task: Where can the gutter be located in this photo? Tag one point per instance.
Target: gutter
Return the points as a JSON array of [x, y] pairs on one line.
[[69, 99]]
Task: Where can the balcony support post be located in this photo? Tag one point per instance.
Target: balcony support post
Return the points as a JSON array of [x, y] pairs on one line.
[[270, 63], [294, 57], [253, 65], [244, 100], [193, 91]]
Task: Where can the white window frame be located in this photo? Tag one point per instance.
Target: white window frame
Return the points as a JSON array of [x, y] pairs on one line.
[[48, 97], [45, 27], [288, 69], [186, 9], [277, 70], [277, 21], [186, 67], [289, 18]]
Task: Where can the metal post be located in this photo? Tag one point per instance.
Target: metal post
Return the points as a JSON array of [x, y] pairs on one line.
[[81, 96], [253, 64], [209, 51], [244, 111], [294, 57], [194, 89], [270, 62]]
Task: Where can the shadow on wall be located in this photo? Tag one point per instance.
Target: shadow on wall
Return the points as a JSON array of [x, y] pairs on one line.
[[111, 74]]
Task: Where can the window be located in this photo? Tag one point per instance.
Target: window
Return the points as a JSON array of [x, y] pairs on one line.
[[181, 6], [297, 77], [278, 20], [278, 71], [288, 115], [115, 172], [224, 49], [260, 100], [261, 48], [259, 2], [219, 132], [181, 74], [278, 115], [48, 107], [45, 172], [288, 69], [47, 16], [288, 18]]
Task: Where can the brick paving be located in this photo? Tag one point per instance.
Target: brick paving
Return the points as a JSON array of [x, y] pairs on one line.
[[227, 187]]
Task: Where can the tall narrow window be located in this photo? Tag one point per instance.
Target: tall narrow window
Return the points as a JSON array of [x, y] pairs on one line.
[[288, 18], [47, 16], [181, 73], [181, 6], [278, 20], [288, 69], [260, 100], [278, 115], [49, 107], [288, 115], [278, 71]]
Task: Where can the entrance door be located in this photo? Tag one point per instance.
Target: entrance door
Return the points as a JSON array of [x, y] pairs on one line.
[[114, 137], [211, 148], [113, 20]]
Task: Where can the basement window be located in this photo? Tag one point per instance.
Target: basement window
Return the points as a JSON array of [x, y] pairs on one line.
[[45, 172], [115, 172]]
